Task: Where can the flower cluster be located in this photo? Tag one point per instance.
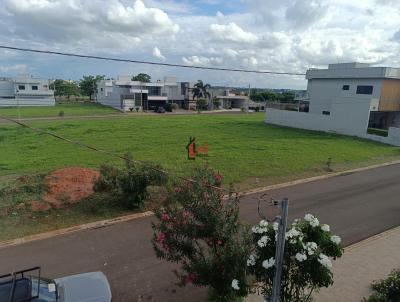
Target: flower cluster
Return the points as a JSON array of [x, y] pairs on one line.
[[309, 248]]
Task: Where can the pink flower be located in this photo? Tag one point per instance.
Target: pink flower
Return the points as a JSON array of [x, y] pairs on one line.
[[164, 217], [186, 214], [178, 189], [217, 177], [190, 278], [161, 238], [219, 242]]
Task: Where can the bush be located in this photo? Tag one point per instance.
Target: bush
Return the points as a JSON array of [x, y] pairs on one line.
[[257, 109], [202, 104], [387, 290], [129, 185], [307, 265], [61, 113], [202, 232], [216, 103]]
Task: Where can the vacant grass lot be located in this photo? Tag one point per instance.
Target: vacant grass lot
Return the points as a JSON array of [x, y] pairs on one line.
[[244, 149], [241, 147], [70, 109]]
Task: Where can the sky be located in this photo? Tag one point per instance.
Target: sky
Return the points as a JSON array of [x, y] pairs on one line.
[[273, 35]]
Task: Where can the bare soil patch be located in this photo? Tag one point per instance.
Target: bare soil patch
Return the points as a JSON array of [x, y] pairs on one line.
[[69, 185]]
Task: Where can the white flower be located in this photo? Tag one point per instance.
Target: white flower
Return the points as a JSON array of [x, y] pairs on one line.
[[308, 217], [235, 284], [314, 222], [263, 223], [252, 260], [275, 225], [268, 263], [259, 230], [263, 241], [325, 228], [292, 241], [292, 233], [301, 257], [336, 239], [310, 247], [324, 260]]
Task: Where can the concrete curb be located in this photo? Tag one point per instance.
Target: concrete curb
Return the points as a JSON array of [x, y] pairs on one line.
[[73, 229], [108, 222], [315, 178], [371, 239]]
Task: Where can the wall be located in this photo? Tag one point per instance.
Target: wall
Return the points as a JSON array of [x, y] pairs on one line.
[[322, 92], [343, 120], [390, 96]]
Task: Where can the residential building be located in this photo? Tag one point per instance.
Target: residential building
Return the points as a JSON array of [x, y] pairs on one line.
[[25, 90], [347, 98], [127, 95]]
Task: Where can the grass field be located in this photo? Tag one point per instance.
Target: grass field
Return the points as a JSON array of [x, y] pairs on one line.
[[245, 151], [241, 147], [69, 109]]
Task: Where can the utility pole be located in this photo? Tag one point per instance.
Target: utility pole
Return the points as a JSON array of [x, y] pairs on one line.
[[248, 100], [280, 249]]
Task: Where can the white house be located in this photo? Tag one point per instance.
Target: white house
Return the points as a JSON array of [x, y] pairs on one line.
[[25, 90], [125, 94], [347, 98]]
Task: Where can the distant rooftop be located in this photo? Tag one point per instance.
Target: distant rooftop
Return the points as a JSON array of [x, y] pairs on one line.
[[353, 70]]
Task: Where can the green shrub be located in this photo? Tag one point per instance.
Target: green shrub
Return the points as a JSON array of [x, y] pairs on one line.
[[257, 109], [129, 185], [168, 107], [387, 290], [202, 104], [216, 103], [376, 131], [61, 113], [307, 265], [174, 106], [201, 231]]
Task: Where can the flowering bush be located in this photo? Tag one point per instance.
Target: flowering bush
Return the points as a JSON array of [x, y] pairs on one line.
[[387, 290], [200, 230], [309, 247]]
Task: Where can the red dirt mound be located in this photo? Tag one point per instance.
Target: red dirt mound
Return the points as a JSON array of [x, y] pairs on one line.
[[69, 184]]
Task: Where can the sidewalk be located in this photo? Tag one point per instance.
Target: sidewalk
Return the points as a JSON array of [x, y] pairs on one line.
[[361, 263]]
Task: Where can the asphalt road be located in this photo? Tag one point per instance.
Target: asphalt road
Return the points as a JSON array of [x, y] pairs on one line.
[[356, 206]]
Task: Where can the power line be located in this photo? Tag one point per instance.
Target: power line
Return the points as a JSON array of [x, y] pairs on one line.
[[125, 158], [148, 62]]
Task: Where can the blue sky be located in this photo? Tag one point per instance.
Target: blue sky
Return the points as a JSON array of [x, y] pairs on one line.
[[285, 35]]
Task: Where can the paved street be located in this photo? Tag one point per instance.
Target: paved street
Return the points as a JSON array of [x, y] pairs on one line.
[[356, 206]]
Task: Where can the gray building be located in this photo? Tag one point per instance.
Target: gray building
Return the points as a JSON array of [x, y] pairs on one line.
[[348, 98], [127, 95], [25, 90]]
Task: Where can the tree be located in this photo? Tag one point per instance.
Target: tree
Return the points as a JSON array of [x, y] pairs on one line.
[[202, 232], [65, 88], [88, 84], [201, 104], [306, 261], [142, 77], [200, 90], [286, 97]]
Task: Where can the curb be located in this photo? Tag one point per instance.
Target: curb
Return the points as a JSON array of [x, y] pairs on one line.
[[73, 229], [108, 222], [315, 178], [370, 239]]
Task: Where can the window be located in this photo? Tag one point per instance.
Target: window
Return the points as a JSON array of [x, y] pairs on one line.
[[363, 89], [21, 87], [326, 112], [346, 87], [34, 87], [101, 89]]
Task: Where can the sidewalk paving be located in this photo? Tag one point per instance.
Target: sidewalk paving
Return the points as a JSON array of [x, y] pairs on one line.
[[363, 262]]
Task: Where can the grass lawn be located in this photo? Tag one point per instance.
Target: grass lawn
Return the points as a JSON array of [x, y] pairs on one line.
[[241, 147], [245, 151], [70, 109]]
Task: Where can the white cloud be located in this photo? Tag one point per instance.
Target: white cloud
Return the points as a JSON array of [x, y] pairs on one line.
[[202, 61], [232, 33], [17, 68], [157, 53]]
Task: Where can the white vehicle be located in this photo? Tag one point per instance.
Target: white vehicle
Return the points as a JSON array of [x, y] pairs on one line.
[[23, 286]]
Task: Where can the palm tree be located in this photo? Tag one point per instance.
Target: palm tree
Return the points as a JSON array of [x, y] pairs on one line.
[[200, 90]]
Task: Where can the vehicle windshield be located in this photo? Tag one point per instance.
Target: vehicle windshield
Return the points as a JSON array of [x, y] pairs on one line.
[[47, 290]]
